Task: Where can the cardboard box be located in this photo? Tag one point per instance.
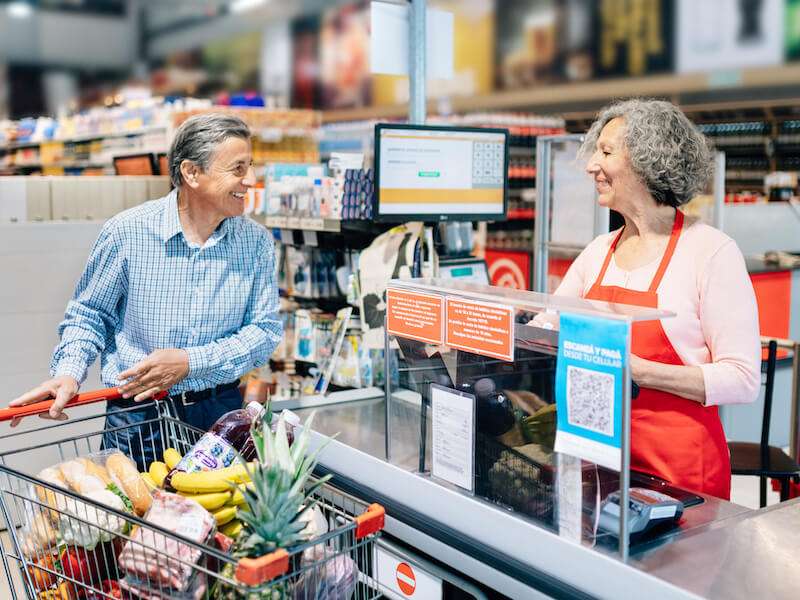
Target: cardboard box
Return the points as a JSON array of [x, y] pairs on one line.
[[136, 191], [68, 198], [37, 198], [158, 187], [24, 199], [112, 197]]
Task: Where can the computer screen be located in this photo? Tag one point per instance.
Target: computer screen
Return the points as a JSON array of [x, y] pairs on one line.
[[472, 270], [139, 164], [438, 173]]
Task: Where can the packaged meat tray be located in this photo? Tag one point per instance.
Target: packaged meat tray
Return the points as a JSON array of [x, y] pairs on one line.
[[156, 561]]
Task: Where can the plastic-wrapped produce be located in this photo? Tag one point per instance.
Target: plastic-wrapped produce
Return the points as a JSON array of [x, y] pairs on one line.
[[330, 577]]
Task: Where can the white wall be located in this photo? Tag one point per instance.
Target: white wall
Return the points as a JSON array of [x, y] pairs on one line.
[[39, 266]]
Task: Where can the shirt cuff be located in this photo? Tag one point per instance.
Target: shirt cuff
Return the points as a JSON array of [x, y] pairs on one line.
[[74, 369], [198, 361]]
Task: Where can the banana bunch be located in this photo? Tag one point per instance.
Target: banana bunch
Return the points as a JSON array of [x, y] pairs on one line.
[[211, 489]]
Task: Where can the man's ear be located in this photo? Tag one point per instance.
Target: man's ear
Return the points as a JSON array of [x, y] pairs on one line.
[[190, 173]]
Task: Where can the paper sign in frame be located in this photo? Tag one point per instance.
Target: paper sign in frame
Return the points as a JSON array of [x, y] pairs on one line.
[[508, 356], [474, 423], [411, 335]]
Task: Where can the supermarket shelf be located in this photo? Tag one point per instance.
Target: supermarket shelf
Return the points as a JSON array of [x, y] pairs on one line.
[[370, 393], [552, 97], [521, 250], [78, 164], [521, 214], [740, 140], [746, 175], [84, 138], [300, 223], [522, 151], [528, 194]]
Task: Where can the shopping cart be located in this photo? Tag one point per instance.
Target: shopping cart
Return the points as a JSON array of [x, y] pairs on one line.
[[39, 563]]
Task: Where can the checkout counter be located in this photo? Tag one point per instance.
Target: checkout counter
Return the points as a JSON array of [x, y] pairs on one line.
[[459, 449]]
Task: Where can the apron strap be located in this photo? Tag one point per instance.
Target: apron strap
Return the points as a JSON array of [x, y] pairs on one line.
[[677, 227], [604, 268], [673, 241]]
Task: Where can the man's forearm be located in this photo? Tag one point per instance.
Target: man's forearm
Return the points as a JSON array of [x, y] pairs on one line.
[[231, 357]]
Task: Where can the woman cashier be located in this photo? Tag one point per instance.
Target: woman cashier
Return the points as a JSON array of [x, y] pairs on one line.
[[647, 159]]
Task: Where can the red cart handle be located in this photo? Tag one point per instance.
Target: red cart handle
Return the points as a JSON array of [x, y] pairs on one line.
[[6, 414]]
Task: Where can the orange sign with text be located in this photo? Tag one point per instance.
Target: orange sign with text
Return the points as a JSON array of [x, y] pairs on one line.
[[415, 316], [480, 327]]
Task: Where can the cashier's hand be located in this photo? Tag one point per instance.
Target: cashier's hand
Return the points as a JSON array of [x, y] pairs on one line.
[[61, 388], [158, 372], [638, 366]]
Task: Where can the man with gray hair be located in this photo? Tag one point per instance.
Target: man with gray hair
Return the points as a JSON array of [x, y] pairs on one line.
[[178, 294]]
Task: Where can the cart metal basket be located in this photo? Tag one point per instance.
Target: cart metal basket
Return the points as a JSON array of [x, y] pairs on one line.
[[39, 564]]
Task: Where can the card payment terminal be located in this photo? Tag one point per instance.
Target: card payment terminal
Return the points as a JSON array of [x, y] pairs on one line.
[[647, 509]]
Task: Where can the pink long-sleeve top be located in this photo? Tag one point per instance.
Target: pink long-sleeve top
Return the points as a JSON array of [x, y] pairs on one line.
[[708, 288]]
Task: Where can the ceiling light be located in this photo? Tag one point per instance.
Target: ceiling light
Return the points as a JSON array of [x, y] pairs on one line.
[[19, 10], [238, 6]]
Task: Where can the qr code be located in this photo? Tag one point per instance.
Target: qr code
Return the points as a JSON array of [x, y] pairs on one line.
[[590, 400]]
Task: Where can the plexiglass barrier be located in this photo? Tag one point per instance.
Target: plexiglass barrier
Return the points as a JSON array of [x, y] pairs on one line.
[[485, 384]]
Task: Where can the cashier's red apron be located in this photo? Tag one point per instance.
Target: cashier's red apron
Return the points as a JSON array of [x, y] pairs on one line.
[[676, 439]]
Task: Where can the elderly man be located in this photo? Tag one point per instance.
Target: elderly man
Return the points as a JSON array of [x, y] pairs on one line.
[[178, 294]]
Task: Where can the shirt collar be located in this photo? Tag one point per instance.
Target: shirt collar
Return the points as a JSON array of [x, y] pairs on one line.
[[171, 223]]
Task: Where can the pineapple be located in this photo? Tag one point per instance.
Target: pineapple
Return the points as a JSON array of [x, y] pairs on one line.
[[275, 499]]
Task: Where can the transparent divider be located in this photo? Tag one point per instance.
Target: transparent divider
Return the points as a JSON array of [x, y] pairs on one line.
[[471, 409]]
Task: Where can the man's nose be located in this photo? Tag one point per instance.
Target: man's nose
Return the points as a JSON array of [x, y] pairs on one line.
[[250, 179]]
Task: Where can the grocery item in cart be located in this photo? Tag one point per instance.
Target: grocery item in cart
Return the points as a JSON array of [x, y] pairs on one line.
[[196, 591], [218, 447], [327, 576], [108, 478], [155, 561], [84, 525], [125, 475]]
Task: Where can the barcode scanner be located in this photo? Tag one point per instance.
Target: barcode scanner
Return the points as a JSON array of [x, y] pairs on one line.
[[495, 413], [634, 389]]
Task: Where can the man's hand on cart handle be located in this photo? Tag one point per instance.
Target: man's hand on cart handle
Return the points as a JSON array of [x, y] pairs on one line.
[[61, 388], [158, 372]]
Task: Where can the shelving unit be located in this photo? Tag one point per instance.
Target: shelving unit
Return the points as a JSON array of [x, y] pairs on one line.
[[86, 137], [300, 223], [760, 87]]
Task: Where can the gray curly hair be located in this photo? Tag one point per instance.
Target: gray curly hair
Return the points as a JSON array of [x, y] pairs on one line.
[[667, 151], [197, 140]]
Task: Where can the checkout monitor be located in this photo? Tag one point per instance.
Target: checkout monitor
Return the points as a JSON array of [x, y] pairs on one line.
[[438, 173]]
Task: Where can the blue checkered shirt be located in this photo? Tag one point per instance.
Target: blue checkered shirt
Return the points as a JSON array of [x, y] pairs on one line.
[[145, 288]]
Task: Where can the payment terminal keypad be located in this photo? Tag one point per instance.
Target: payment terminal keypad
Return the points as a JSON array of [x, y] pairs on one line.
[[487, 164]]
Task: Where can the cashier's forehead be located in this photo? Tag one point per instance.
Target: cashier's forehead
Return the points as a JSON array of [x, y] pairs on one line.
[[612, 134]]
